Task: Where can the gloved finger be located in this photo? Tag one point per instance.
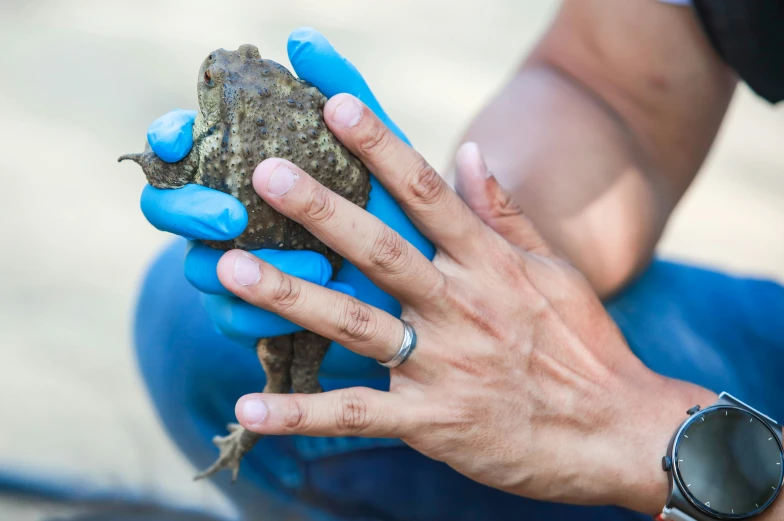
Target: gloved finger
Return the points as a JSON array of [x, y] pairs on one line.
[[316, 61], [194, 212], [243, 322], [201, 261], [246, 323], [171, 135]]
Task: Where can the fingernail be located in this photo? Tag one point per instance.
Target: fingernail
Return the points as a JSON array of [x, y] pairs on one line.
[[246, 270], [254, 411], [479, 157], [281, 180], [470, 160], [347, 113]]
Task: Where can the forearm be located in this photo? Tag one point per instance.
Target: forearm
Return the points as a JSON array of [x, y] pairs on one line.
[[603, 128], [576, 170]]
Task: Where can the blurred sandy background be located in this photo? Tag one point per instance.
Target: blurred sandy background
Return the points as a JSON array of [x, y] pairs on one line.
[[80, 83]]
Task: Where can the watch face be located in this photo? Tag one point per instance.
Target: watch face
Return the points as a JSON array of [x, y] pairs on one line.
[[729, 462]]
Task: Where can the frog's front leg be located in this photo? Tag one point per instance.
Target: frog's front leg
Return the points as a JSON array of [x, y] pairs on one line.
[[161, 174], [276, 355]]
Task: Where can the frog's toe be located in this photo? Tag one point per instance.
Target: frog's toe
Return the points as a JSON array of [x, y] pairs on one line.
[[233, 448]]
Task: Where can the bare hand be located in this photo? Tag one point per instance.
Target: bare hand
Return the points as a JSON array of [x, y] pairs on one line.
[[520, 379]]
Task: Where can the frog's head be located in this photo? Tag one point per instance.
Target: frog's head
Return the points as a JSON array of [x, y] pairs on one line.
[[219, 76]]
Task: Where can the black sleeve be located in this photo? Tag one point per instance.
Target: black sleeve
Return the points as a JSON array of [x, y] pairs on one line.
[[749, 36]]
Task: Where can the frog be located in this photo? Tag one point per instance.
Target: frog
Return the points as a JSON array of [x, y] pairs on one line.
[[251, 109]]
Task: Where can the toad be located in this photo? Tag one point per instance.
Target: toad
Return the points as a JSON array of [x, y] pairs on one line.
[[251, 109]]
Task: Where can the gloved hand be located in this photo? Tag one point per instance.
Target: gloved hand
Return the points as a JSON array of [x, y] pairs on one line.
[[197, 212]]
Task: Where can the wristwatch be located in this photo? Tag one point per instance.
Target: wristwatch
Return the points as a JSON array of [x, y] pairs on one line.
[[724, 462]]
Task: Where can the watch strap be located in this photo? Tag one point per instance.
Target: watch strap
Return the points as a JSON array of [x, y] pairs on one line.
[[727, 399], [673, 514]]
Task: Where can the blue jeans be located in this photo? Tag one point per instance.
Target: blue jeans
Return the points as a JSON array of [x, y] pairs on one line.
[[724, 333]]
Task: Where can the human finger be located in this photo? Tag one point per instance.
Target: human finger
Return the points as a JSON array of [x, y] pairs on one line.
[[378, 251], [201, 261], [246, 323], [495, 206], [361, 328], [355, 411], [427, 199]]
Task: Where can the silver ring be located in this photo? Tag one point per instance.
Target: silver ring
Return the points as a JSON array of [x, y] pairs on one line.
[[406, 347]]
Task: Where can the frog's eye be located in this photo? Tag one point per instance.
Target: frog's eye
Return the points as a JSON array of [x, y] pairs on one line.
[[208, 78]]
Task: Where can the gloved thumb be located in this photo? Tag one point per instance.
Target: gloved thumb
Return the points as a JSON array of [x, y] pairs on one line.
[[316, 61], [171, 135]]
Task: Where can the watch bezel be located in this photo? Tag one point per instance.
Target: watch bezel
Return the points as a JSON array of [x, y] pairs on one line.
[[694, 502]]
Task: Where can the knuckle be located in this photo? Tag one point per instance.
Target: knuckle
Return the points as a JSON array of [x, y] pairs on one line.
[[356, 320], [352, 412], [297, 417], [374, 141], [438, 290], [286, 293], [320, 207], [505, 206], [424, 183], [388, 251], [512, 267]]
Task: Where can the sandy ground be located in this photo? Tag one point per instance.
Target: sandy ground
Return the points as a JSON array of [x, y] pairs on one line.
[[80, 83]]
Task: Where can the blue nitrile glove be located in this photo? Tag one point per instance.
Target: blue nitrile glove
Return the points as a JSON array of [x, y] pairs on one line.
[[197, 212], [204, 213]]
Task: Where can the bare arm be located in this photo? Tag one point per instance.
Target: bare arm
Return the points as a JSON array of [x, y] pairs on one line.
[[604, 127]]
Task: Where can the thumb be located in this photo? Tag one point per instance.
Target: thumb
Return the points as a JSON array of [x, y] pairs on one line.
[[480, 190], [356, 411]]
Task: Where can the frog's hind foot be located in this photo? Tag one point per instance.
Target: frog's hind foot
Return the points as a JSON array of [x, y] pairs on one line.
[[233, 448], [275, 354]]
